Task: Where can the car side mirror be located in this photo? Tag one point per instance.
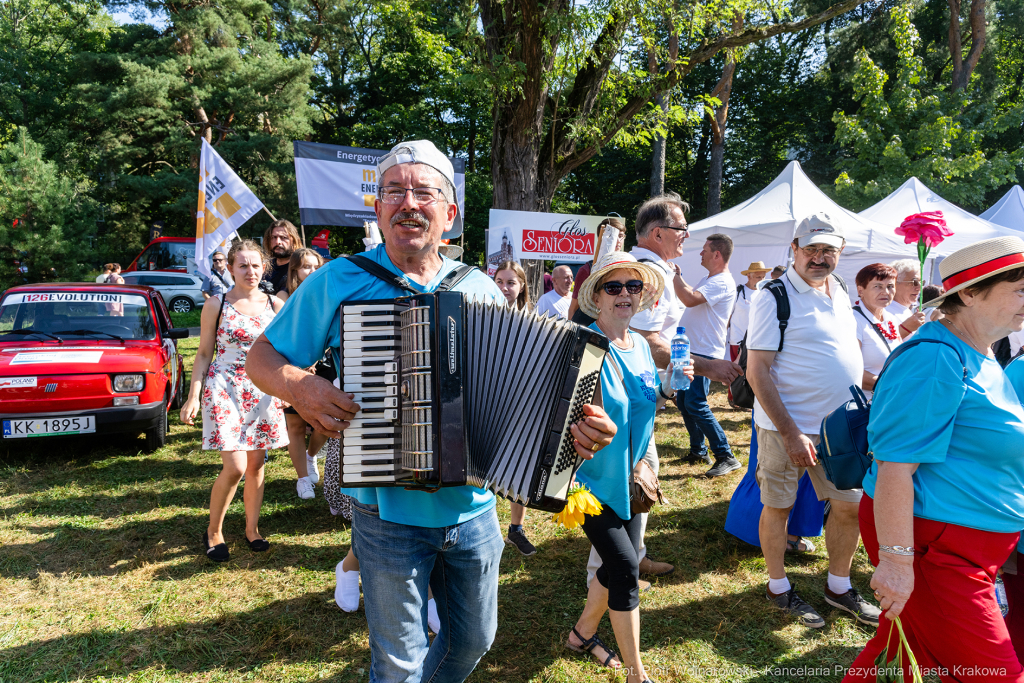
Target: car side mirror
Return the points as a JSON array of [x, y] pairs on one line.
[[177, 333]]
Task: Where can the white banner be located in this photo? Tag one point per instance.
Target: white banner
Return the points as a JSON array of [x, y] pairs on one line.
[[520, 235], [337, 185], [225, 203], [74, 298]]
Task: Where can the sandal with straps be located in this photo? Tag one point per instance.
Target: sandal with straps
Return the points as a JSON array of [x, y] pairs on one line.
[[587, 646]]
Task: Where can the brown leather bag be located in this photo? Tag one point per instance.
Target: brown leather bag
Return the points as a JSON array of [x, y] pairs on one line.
[[644, 489]]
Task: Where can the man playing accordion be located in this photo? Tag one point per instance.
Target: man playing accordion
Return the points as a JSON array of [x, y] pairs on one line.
[[405, 540]]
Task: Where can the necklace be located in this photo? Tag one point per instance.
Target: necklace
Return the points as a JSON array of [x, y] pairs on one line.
[[967, 337], [891, 334]]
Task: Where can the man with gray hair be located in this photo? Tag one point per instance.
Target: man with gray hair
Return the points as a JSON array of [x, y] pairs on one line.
[[404, 540], [908, 288]]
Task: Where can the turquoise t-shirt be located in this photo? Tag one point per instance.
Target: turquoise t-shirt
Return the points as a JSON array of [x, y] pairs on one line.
[[968, 436], [631, 405], [310, 322]]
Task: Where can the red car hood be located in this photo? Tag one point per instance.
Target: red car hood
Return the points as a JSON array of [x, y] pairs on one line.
[[18, 360]]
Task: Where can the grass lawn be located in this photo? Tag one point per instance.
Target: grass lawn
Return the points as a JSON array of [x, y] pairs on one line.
[[103, 579], [190, 319]]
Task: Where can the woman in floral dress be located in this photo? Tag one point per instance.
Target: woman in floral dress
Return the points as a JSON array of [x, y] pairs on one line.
[[239, 420]]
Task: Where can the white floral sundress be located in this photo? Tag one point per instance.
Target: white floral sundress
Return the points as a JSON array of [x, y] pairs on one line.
[[236, 415]]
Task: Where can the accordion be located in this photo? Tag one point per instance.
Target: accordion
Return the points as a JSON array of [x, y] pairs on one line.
[[455, 391]]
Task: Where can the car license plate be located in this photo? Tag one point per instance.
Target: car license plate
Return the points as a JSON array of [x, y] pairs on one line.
[[49, 426]]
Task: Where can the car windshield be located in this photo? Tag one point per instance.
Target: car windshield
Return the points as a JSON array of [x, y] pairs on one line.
[[75, 314]]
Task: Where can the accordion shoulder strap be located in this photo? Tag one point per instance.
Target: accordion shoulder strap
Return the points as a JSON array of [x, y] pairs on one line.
[[374, 268]]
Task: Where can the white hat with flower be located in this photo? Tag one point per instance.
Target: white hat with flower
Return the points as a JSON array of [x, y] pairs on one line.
[[654, 282]]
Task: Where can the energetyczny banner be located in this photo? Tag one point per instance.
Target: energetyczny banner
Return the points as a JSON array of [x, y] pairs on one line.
[[337, 185]]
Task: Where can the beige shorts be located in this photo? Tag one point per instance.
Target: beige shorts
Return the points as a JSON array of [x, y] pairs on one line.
[[779, 478]]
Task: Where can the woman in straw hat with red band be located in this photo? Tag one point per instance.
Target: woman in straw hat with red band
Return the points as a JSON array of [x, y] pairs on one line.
[[619, 288], [944, 499]]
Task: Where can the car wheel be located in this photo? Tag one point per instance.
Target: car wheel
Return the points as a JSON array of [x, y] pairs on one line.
[[182, 304], [156, 437]]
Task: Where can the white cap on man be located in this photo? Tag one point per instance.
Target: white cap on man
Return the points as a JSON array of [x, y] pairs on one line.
[[818, 228], [424, 152]]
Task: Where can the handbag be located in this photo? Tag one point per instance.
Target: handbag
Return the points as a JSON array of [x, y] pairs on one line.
[[843, 448], [644, 489]]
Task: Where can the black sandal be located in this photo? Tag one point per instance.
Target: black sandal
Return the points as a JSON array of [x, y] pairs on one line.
[[260, 545], [217, 553], [587, 647]]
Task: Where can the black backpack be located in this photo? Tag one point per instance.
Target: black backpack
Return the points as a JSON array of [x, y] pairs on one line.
[[742, 392]]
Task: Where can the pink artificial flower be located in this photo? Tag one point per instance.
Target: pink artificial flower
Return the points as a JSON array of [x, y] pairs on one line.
[[929, 227]]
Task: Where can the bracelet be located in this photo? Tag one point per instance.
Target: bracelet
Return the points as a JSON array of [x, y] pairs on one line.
[[895, 550], [661, 390], [904, 327]]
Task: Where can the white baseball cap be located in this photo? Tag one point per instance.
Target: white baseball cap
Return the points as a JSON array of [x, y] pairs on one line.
[[424, 152], [818, 228]]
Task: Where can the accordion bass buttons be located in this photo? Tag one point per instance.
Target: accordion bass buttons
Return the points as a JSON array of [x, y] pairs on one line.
[[416, 389]]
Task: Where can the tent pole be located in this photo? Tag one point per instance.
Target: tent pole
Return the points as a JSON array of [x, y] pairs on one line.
[[303, 229]]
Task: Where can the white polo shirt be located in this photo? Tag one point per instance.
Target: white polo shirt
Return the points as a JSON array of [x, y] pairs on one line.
[[899, 311], [820, 357], [706, 324], [740, 314], [874, 347], [554, 304], [665, 315]]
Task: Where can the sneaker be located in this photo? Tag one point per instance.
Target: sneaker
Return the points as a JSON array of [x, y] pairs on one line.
[[795, 605], [433, 621], [346, 590], [852, 602], [697, 459], [519, 541], [304, 488], [723, 467], [312, 473]]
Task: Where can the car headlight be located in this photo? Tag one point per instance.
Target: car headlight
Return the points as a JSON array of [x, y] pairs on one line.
[[129, 382]]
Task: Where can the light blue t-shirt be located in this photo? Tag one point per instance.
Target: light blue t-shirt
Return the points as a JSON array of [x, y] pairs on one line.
[[310, 322], [967, 435], [631, 404]]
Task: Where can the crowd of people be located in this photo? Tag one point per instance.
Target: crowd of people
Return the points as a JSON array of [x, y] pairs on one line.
[[940, 511]]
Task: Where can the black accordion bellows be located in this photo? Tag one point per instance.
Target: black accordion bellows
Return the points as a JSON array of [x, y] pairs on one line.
[[457, 392]]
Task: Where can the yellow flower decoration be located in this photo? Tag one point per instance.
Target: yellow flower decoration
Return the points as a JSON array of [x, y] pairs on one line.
[[580, 502]]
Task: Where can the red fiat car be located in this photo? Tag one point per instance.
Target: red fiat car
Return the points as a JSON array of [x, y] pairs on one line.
[[81, 358]]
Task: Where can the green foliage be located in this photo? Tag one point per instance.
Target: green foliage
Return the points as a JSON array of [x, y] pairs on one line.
[[46, 218], [913, 128]]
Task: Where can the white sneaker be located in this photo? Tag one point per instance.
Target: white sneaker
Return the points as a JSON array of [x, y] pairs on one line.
[[312, 473], [433, 621], [346, 591], [304, 488]]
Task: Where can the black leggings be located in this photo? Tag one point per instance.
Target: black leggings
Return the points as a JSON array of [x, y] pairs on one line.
[[618, 544]]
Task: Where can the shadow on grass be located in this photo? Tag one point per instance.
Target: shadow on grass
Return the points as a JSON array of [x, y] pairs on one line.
[[304, 629], [95, 549]]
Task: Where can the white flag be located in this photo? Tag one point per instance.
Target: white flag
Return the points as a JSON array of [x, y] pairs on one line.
[[225, 203]]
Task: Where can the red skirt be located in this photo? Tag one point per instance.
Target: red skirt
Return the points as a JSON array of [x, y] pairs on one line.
[[952, 621]]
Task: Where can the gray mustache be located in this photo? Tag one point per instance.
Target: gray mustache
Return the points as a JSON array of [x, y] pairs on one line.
[[411, 216]]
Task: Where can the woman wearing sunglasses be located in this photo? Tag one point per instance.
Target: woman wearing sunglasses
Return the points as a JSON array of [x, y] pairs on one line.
[[619, 288]]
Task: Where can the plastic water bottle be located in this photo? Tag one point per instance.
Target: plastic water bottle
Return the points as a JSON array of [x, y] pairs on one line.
[[680, 359], [1004, 606]]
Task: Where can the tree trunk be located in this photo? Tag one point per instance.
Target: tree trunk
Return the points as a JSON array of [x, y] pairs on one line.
[[718, 125], [658, 156], [962, 69]]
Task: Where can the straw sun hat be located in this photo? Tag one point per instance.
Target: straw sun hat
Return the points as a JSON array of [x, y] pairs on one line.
[[969, 266], [654, 283], [756, 267]]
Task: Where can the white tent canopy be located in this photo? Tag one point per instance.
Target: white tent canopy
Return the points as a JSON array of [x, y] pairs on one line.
[[763, 226], [914, 197], [1008, 211]]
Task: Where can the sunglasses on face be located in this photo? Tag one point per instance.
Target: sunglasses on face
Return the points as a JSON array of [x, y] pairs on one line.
[[615, 288], [915, 282]]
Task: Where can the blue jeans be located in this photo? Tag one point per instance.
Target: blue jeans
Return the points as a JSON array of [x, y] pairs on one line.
[[396, 563], [700, 421]]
